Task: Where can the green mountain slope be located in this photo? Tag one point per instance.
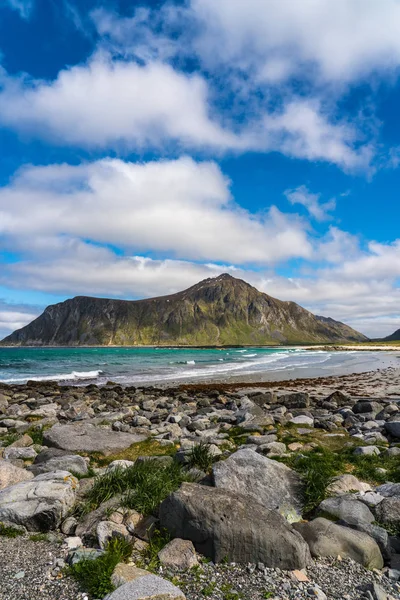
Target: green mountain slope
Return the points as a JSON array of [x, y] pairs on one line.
[[219, 311], [395, 337]]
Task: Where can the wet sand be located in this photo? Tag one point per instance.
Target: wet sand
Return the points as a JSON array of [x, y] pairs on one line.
[[380, 383]]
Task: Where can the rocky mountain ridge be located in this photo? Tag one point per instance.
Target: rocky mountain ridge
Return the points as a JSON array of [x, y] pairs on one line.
[[217, 311]]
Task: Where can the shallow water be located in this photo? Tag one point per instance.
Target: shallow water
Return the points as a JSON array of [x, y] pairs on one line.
[[147, 365]]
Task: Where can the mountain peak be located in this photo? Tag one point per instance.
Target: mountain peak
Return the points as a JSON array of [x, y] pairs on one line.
[[221, 310]]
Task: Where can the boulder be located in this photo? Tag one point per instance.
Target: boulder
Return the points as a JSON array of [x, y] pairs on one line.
[[224, 524], [39, 504], [271, 483], [106, 530], [178, 554], [393, 427], [295, 400], [346, 509], [87, 527], [388, 511], [147, 588], [10, 475], [389, 490], [86, 437], [69, 462], [123, 573], [367, 451], [347, 483], [329, 539], [379, 534], [302, 420], [25, 453]]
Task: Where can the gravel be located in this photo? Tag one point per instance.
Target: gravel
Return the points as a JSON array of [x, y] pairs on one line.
[[337, 579], [34, 571], [29, 571]]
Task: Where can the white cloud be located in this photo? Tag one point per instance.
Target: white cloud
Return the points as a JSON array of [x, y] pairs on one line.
[[181, 207], [108, 103], [24, 7], [13, 316], [336, 41], [318, 210]]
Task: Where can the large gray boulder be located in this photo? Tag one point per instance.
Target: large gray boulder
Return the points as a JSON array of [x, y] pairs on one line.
[[329, 539], [347, 509], [69, 462], [393, 427], [271, 483], [389, 490], [150, 587], [86, 437], [39, 504], [224, 524], [388, 511], [10, 475]]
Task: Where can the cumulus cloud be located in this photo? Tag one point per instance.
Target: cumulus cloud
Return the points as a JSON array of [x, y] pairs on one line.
[[335, 41], [318, 210], [181, 207], [108, 103], [14, 316]]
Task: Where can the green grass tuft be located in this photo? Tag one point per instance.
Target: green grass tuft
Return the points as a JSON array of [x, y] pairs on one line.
[[158, 539], [9, 531], [201, 457], [95, 575], [143, 486]]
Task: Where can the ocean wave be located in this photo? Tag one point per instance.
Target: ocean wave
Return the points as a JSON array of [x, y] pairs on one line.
[[73, 376]]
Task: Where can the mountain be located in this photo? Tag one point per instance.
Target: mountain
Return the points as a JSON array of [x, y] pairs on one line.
[[218, 311], [395, 337]]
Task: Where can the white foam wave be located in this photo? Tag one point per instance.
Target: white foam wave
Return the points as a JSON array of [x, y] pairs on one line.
[[73, 376]]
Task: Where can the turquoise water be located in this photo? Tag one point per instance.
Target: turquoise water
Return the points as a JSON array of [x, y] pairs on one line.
[[146, 365]]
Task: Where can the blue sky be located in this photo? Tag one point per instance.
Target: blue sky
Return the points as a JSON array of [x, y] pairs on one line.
[[148, 145]]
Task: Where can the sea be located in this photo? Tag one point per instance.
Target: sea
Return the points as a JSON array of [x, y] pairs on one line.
[[144, 366]]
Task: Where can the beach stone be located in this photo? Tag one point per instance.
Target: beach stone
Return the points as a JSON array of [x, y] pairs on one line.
[[69, 462], [389, 490], [393, 427], [271, 483], [272, 449], [120, 464], [394, 451], [39, 504], [295, 400], [10, 475], [347, 483], [339, 398], [259, 440], [302, 420], [388, 511], [346, 509], [86, 437], [24, 453], [106, 530], [87, 526], [224, 524], [151, 587], [123, 573], [3, 403], [367, 451], [68, 526], [250, 413], [379, 534], [371, 499], [375, 592], [329, 539], [367, 406], [178, 554], [22, 442]]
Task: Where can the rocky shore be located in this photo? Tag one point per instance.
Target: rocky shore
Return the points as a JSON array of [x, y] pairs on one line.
[[280, 490]]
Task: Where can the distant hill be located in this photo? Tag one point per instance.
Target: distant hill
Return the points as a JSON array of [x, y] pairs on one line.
[[395, 337], [218, 311]]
